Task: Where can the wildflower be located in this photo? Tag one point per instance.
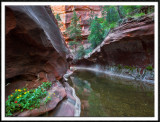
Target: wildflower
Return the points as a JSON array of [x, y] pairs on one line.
[[11, 95], [28, 91], [15, 101], [19, 105], [54, 93], [19, 90], [49, 93], [16, 90], [20, 95], [17, 97], [49, 97], [24, 89], [25, 92]]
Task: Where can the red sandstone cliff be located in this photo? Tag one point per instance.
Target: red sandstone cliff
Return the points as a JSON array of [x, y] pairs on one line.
[[34, 50], [83, 12], [130, 44]]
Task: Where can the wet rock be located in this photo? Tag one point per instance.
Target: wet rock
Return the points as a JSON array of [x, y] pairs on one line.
[[71, 106]]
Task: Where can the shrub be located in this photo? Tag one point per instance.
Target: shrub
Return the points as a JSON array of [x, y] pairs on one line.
[[149, 68], [26, 99]]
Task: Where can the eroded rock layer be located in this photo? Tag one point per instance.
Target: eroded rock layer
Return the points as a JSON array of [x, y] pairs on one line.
[[130, 44], [83, 13], [35, 48]]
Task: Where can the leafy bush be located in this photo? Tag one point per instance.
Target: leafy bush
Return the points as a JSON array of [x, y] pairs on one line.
[[26, 99], [149, 68], [139, 15]]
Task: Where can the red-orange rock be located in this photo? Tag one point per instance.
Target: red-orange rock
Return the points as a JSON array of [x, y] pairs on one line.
[[34, 44], [130, 44], [83, 12]]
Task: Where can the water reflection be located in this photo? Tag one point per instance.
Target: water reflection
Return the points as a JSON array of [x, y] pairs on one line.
[[103, 95]]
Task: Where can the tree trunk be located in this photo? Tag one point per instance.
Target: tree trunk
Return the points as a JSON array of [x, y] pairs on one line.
[[119, 12]]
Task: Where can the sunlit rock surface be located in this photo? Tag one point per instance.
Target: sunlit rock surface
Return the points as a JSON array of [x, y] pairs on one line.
[[130, 44], [83, 12]]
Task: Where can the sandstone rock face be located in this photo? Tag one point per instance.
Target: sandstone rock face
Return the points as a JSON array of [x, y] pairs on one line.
[[83, 12], [35, 48], [56, 92], [130, 44]]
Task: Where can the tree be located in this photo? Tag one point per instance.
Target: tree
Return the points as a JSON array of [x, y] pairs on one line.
[[74, 30], [59, 20], [119, 12], [96, 35]]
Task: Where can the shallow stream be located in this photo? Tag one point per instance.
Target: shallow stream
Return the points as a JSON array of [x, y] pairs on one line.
[[104, 95]]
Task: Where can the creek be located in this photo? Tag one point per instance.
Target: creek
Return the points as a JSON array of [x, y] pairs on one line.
[[105, 95]]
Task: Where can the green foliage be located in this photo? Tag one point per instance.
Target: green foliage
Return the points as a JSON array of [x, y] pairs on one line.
[[150, 68], [127, 10], [74, 30], [59, 20], [23, 99], [139, 15], [110, 14], [119, 66], [80, 52], [114, 15], [96, 35], [130, 68], [87, 51], [47, 99]]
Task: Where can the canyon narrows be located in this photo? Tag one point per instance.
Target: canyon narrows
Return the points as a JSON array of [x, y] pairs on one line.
[[79, 60], [35, 52]]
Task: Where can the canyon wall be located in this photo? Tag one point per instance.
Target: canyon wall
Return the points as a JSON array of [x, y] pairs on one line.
[[131, 44], [83, 13], [35, 49]]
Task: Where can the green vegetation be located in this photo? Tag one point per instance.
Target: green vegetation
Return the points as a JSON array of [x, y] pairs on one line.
[[74, 31], [80, 52], [59, 20], [112, 16], [150, 68], [23, 99], [96, 35]]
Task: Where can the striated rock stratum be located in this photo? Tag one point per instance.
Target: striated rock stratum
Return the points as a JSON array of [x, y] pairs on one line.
[[83, 12], [34, 44], [35, 52], [131, 44]]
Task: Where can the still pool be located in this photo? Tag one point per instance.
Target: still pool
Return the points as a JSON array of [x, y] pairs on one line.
[[108, 96]]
